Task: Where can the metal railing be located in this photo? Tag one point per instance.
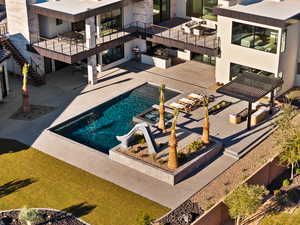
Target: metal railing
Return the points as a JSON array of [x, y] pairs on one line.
[[75, 46], [177, 34]]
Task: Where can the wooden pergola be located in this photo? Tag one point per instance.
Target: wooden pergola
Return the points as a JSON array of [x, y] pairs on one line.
[[251, 87]]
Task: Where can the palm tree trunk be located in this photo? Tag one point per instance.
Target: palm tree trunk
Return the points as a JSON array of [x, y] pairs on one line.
[[238, 220], [25, 105], [172, 161], [205, 132], [161, 124], [292, 171]]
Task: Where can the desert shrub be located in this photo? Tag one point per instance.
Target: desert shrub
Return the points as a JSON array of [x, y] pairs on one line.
[[285, 183], [143, 219], [153, 156], [195, 146], [181, 157], [293, 195], [140, 139], [298, 171], [30, 215]]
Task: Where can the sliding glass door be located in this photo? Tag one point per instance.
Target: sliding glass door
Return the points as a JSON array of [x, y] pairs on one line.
[[201, 9], [161, 11]]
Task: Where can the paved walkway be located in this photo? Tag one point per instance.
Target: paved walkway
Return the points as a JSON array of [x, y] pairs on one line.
[[67, 91]]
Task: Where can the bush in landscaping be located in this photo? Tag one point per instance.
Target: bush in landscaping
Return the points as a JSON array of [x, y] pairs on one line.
[[195, 146], [285, 183], [143, 219], [140, 139], [30, 215], [244, 201], [181, 157], [298, 171]]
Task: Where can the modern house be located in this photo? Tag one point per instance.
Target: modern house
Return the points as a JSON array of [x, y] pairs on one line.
[[258, 36]]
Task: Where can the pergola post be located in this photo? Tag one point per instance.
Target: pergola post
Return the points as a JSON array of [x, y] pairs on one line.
[[249, 115], [271, 102]]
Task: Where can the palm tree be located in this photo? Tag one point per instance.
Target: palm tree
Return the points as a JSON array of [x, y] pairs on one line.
[[26, 105], [161, 123], [205, 132], [172, 161]]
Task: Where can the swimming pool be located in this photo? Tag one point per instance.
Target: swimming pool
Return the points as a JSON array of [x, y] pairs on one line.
[[98, 127]]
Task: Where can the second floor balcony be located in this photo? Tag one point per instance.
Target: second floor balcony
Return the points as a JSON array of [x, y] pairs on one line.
[[72, 46]]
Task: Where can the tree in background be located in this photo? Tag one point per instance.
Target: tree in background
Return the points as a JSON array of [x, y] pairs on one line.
[[288, 138], [172, 160], [161, 124], [25, 94], [244, 201]]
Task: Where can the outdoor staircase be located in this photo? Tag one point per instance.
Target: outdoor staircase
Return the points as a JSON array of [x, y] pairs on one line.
[[36, 78]]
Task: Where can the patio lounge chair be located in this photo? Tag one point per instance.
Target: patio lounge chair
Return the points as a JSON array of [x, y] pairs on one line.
[[196, 97], [180, 107], [186, 101]]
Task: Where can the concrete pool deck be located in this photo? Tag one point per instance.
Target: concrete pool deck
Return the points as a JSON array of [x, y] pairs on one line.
[[67, 91]]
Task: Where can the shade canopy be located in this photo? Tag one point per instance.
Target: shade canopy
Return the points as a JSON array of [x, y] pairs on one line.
[[250, 87]]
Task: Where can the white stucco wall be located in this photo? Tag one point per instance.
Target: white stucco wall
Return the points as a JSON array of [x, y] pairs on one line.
[[181, 8], [231, 53], [49, 29], [289, 58]]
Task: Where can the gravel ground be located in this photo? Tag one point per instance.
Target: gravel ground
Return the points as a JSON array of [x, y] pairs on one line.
[[238, 172], [242, 169], [50, 217]]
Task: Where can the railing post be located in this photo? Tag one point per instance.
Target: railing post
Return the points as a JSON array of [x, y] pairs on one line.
[[178, 35], [71, 48], [62, 49]]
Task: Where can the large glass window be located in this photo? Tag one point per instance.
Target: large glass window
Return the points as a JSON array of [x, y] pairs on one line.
[[259, 38], [204, 58], [161, 11], [236, 69], [201, 9], [111, 21], [113, 54]]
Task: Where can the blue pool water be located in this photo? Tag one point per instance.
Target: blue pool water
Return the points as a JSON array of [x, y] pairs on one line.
[[98, 127]]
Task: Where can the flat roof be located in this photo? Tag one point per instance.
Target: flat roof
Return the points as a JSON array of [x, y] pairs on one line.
[[281, 10], [74, 7]]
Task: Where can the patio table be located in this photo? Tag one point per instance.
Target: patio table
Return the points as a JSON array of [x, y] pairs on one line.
[[72, 36]]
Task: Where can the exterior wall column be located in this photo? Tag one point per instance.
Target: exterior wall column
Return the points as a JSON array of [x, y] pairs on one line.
[[98, 25], [53, 65], [90, 32], [6, 76], [173, 8]]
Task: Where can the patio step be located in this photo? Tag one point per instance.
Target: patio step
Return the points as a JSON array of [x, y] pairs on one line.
[[20, 60], [240, 153]]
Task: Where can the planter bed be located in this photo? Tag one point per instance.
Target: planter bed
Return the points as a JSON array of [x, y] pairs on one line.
[[146, 164], [218, 107]]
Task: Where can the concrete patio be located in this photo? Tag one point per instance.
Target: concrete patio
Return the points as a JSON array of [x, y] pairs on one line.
[[67, 91]]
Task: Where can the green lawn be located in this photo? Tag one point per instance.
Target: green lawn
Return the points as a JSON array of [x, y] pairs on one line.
[[29, 177], [282, 219]]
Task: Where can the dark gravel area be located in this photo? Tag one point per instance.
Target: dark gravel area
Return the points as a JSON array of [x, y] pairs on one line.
[[50, 217]]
